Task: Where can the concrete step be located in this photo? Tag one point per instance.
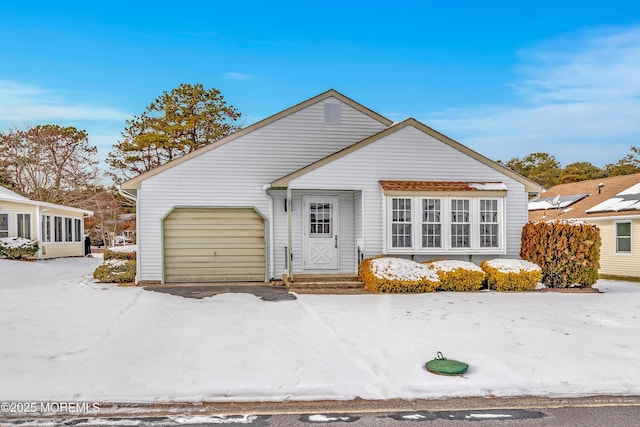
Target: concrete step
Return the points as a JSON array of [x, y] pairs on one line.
[[331, 291], [326, 278], [328, 285]]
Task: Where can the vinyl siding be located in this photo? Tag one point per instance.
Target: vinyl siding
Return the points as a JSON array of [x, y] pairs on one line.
[[612, 263], [235, 173], [410, 154]]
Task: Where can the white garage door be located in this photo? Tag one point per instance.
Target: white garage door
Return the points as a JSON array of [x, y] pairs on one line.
[[214, 245]]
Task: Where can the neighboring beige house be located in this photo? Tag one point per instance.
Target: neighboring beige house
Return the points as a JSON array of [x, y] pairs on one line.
[[316, 188], [613, 204], [59, 229]]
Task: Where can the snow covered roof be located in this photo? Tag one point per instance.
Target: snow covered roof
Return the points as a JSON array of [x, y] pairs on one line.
[[442, 186], [613, 196], [627, 200], [558, 202], [6, 194]]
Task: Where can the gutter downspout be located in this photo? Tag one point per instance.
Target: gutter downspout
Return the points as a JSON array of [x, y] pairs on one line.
[[289, 237], [272, 262]]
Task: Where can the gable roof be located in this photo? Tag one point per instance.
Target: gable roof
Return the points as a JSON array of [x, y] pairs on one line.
[[134, 183], [10, 196], [530, 186], [6, 194], [594, 205]]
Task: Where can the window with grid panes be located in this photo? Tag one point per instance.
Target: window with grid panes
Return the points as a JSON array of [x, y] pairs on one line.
[[431, 223], [460, 223], [489, 225], [401, 227]]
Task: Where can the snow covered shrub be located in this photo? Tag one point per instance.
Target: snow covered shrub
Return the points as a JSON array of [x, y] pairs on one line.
[[125, 252], [458, 275], [18, 248], [511, 274], [568, 251], [116, 271], [397, 275]]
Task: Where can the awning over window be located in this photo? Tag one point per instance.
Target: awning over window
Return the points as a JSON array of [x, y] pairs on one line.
[[429, 186]]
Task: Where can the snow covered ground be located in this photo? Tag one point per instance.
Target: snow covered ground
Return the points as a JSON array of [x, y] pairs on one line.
[[64, 337]]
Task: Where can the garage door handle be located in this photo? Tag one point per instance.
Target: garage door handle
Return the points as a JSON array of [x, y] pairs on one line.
[[336, 240]]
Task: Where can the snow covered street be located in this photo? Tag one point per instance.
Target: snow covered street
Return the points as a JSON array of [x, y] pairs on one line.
[[64, 337]]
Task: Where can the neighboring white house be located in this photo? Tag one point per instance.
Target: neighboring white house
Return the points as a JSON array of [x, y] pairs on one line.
[[315, 189], [613, 204], [59, 229]]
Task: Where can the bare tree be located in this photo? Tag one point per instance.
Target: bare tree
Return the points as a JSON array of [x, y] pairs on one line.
[[49, 163]]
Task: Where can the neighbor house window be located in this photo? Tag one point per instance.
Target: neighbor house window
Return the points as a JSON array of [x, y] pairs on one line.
[[460, 223], [623, 237], [431, 223], [58, 228], [489, 225], [401, 224], [68, 229], [77, 228], [46, 228], [4, 225], [24, 225]]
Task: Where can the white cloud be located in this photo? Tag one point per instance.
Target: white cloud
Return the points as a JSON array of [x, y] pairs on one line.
[[238, 76], [579, 100], [28, 103]]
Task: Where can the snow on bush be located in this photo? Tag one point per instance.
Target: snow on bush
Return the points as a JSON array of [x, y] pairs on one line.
[[458, 275], [18, 247], [397, 275], [119, 265], [511, 274]]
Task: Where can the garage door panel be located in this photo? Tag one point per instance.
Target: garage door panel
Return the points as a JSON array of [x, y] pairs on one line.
[[214, 244]]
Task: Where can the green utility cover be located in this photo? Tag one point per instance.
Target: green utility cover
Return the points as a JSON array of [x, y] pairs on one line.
[[443, 366]]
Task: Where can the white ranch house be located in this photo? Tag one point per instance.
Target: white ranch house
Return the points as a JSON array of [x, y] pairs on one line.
[[315, 189]]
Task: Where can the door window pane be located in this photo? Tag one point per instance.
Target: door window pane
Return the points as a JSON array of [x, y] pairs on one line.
[[320, 221]]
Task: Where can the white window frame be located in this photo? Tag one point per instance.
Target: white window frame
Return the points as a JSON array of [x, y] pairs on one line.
[[8, 214], [445, 217], [428, 222], [46, 225], [62, 234], [630, 237], [29, 225], [77, 230], [468, 222], [411, 222]]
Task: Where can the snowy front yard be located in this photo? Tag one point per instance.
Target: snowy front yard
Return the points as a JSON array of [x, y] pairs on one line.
[[64, 337]]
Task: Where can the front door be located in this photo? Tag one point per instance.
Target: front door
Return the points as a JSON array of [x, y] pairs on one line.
[[320, 233]]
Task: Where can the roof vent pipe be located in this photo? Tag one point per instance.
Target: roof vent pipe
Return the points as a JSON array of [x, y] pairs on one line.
[[600, 188]]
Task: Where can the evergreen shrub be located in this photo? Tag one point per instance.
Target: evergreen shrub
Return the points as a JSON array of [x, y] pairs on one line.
[[511, 274], [116, 271], [397, 275], [568, 251], [18, 248], [461, 276]]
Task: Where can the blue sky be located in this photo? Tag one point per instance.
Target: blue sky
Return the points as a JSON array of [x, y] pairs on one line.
[[505, 78]]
